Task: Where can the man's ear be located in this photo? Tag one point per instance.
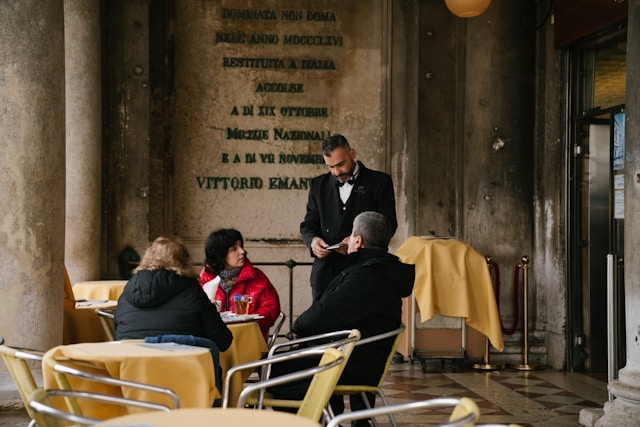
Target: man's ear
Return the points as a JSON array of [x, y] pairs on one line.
[[359, 242]]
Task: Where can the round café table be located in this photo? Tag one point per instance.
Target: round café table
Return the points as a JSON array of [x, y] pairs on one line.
[[81, 323], [134, 362], [186, 370], [99, 289], [211, 417]]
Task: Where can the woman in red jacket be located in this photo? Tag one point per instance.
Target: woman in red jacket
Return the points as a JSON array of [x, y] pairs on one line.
[[227, 259]]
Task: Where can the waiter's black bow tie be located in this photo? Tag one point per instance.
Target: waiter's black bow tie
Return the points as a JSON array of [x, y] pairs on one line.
[[341, 183]]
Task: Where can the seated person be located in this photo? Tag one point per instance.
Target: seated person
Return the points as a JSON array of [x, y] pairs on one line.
[[367, 296], [227, 259], [163, 298]]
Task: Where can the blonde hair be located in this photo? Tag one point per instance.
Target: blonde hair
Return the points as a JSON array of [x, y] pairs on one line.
[[167, 253]]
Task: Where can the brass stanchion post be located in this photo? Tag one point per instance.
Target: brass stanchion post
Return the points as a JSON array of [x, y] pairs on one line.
[[525, 366], [485, 365]]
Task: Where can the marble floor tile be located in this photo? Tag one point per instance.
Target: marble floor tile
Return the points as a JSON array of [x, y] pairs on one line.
[[541, 398]]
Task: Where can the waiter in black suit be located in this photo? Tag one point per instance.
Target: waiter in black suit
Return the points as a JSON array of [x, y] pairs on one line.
[[335, 199]]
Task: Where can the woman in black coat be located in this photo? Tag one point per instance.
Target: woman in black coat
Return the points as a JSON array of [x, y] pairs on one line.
[[164, 298]]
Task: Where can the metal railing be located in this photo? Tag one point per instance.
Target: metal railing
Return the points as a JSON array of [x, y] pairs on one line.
[[290, 264]]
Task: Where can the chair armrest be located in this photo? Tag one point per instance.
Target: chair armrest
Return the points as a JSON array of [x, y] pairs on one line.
[[385, 335], [263, 362], [441, 402], [310, 339], [106, 313], [39, 402], [28, 354], [276, 330], [294, 376]]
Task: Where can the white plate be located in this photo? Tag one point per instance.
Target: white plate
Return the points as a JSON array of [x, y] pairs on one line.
[[230, 317]]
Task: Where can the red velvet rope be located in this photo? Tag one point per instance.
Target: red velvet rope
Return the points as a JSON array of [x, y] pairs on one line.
[[516, 297]]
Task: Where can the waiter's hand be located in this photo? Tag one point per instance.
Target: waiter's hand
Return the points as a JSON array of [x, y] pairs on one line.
[[343, 248], [318, 246]]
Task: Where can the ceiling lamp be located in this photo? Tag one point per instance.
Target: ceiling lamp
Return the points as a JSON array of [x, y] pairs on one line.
[[467, 8]]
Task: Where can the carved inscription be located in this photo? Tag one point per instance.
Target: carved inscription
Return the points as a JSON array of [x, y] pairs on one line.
[[297, 43]]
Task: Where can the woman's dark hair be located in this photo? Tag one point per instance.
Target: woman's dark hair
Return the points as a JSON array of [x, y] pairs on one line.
[[217, 247]]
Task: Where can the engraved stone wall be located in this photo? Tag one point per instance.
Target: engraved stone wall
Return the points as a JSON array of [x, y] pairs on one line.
[[258, 87]]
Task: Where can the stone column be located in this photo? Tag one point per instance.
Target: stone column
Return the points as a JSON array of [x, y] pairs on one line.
[[32, 172], [624, 410], [84, 137]]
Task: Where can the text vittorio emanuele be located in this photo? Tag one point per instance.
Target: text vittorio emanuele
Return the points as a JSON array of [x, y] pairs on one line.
[[260, 41]]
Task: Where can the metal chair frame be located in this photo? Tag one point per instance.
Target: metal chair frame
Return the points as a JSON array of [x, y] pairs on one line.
[[350, 389], [319, 341], [17, 361], [290, 355], [48, 415], [276, 329], [106, 317], [465, 412], [294, 376], [313, 404], [324, 378]]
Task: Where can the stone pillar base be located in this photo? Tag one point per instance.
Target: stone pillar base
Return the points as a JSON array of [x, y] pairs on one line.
[[624, 410], [589, 416]]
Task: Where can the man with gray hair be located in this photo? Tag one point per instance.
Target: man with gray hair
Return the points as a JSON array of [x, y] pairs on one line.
[[373, 228], [366, 295]]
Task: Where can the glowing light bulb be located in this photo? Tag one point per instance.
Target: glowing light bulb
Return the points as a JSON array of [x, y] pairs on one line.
[[467, 8]]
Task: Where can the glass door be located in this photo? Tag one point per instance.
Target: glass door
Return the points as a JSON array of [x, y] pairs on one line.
[[596, 215]]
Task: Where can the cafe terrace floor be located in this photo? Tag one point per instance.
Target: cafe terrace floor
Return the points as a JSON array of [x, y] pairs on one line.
[[540, 398]]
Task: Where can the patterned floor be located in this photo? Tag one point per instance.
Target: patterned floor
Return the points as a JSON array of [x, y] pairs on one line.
[[544, 398], [540, 398]]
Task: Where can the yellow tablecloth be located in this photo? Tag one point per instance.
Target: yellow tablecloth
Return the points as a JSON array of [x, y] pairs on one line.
[[248, 345], [212, 417], [81, 323], [189, 373], [99, 289], [453, 279]]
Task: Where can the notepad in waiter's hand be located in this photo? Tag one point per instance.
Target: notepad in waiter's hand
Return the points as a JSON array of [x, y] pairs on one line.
[[336, 246]]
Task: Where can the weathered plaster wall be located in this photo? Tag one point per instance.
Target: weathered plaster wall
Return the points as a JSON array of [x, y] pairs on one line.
[[127, 129], [476, 137], [550, 151]]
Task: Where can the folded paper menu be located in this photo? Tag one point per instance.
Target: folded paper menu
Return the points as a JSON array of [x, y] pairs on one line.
[[336, 246], [211, 287]]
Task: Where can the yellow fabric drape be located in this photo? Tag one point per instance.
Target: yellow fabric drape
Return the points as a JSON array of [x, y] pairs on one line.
[[453, 279]]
